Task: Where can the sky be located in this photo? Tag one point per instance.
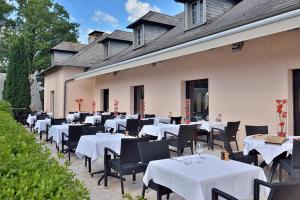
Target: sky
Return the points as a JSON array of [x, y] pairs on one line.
[[109, 15]]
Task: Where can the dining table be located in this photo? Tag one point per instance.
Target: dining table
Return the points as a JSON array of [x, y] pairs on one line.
[[41, 125], [271, 153], [158, 130], [114, 123], [55, 131], [71, 117], [31, 119], [92, 119], [194, 176]]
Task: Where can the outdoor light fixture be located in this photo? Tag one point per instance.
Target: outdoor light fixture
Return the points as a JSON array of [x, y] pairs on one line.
[[237, 46]]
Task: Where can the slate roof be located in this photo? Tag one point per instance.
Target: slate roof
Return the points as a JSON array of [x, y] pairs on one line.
[[157, 18], [245, 12], [120, 35], [68, 46]]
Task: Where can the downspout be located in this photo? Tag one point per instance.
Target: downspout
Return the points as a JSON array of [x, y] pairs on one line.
[[65, 95]]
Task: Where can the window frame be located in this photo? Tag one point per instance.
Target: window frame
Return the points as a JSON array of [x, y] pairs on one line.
[[189, 12], [106, 50], [139, 39]]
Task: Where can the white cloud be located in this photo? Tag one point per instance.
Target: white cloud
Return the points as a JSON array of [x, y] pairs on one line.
[[137, 9], [100, 16]]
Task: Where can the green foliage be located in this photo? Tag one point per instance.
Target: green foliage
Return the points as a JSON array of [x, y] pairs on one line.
[[17, 86], [28, 172], [5, 107], [128, 196]]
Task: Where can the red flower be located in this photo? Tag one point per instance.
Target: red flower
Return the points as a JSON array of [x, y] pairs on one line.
[[283, 116], [285, 113], [279, 111], [281, 124], [280, 106], [284, 101], [278, 101]]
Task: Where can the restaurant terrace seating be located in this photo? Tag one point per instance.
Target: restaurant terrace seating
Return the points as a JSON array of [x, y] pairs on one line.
[[279, 191], [71, 139], [176, 120], [149, 116], [150, 151], [183, 140], [253, 130], [105, 117], [142, 123], [127, 162], [132, 127], [230, 132], [239, 156], [291, 164]]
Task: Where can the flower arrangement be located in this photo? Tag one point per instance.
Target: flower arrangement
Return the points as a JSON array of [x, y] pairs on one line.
[[187, 111], [116, 107], [93, 106], [281, 109], [142, 108], [79, 101]]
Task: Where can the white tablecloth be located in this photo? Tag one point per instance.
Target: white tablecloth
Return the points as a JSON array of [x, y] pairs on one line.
[[159, 130], [31, 119], [113, 123], [206, 125], [56, 131], [195, 181], [41, 125], [93, 145], [267, 151], [92, 119], [71, 117]]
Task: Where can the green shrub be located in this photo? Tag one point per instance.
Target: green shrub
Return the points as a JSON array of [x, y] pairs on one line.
[[5, 106], [26, 169]]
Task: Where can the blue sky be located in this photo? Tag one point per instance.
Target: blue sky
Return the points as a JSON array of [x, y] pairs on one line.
[[108, 15]]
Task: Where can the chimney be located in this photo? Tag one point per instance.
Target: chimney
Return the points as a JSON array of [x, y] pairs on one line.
[[94, 36]]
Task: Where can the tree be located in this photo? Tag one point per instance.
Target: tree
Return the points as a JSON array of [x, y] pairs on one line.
[[44, 24], [17, 86]]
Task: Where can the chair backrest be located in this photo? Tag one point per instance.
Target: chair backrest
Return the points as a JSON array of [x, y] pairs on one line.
[[41, 117], [132, 126], [186, 133], [253, 130], [58, 121], [296, 155], [155, 150], [227, 146], [149, 116], [122, 113], [71, 112], [82, 116], [142, 123], [177, 120], [231, 129], [285, 191], [75, 132], [104, 118], [93, 130], [129, 150]]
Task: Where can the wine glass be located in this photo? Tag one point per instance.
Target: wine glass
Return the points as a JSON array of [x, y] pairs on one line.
[[199, 148]]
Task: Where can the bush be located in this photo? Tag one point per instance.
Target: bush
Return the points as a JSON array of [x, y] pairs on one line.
[[26, 169], [5, 106]]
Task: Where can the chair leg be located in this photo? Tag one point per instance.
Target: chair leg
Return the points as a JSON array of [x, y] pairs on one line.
[[144, 190], [121, 180], [158, 195], [85, 161], [40, 135], [69, 154], [192, 150], [237, 146], [168, 196], [133, 177]]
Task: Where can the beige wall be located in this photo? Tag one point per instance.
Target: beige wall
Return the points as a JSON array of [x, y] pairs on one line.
[[242, 85], [55, 81]]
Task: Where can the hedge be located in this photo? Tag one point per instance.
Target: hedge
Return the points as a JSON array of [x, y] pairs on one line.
[[26, 169], [5, 106]]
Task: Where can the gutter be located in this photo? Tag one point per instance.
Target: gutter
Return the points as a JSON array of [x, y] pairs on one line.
[[257, 24], [65, 95]]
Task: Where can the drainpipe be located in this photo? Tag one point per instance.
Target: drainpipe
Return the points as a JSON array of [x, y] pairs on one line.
[[65, 95]]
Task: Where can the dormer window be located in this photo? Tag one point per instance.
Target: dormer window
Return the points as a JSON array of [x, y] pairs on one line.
[[105, 47], [195, 13], [139, 36]]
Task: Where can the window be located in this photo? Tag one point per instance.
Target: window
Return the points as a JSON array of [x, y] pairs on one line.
[[195, 13], [106, 55], [139, 36]]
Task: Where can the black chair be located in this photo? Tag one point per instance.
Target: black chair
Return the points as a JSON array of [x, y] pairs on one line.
[[71, 140], [253, 130], [292, 164], [142, 123], [149, 116], [92, 130], [127, 163], [106, 117], [132, 127], [230, 132], [176, 120], [150, 151], [54, 122], [279, 191], [184, 138], [41, 117], [122, 113], [239, 156]]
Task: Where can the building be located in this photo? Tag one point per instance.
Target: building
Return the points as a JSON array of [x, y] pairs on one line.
[[230, 57]]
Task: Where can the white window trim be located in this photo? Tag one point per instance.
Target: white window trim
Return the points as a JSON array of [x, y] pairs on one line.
[[141, 27], [106, 50], [188, 14]]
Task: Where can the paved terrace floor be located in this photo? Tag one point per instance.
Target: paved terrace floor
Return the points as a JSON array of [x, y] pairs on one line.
[[113, 192]]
